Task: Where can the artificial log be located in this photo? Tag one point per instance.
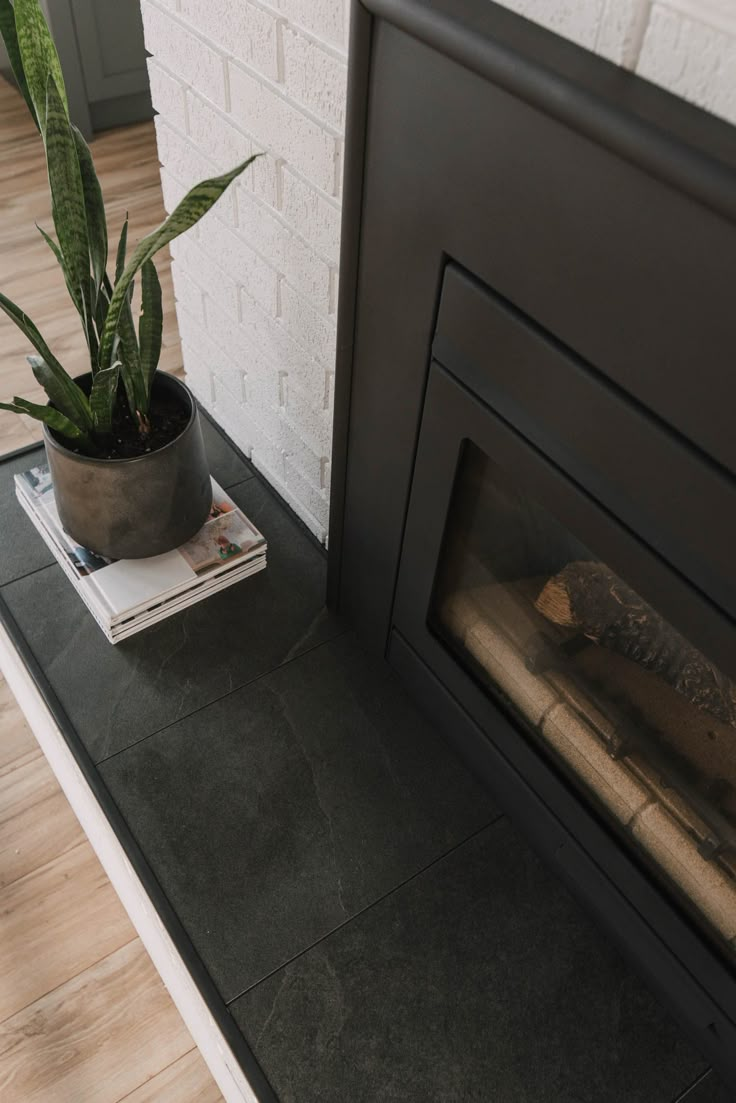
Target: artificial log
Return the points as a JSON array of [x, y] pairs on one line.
[[587, 596]]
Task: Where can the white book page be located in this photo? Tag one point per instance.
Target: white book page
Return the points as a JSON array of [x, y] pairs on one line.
[[131, 582]]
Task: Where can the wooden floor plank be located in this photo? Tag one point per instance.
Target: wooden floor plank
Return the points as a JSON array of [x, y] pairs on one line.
[[17, 738], [118, 1013], [86, 1018], [186, 1080], [36, 822], [55, 922]]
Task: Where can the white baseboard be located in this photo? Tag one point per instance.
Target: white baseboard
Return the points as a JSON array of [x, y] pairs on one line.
[[205, 1032]]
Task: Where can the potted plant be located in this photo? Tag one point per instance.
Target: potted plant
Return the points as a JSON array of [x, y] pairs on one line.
[[124, 442]]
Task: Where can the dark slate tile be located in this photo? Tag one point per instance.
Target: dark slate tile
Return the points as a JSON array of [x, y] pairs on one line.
[[709, 1090], [115, 695], [21, 548], [278, 812], [480, 981], [226, 466]]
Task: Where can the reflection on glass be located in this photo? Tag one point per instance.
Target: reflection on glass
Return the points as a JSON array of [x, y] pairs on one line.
[[621, 699]]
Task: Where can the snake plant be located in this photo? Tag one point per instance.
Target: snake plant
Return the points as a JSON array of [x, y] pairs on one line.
[[123, 359]]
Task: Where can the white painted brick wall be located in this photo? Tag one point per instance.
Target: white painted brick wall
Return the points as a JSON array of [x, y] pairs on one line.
[[686, 46], [256, 281]]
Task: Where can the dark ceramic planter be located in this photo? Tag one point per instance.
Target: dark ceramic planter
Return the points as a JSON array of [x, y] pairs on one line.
[[134, 508]]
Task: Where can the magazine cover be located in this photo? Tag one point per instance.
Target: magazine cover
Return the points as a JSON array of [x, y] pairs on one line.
[[117, 590]]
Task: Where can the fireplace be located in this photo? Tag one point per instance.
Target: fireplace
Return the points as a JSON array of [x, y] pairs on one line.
[[534, 505]]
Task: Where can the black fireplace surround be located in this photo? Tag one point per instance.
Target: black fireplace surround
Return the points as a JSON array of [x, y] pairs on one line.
[[539, 252]]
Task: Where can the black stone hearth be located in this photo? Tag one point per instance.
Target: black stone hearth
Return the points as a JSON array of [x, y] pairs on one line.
[[354, 908]]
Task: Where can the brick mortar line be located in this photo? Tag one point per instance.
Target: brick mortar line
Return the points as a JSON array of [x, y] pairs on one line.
[[291, 456], [230, 58], [332, 200], [339, 52], [331, 131], [236, 229], [318, 528], [328, 319], [228, 117], [316, 408]]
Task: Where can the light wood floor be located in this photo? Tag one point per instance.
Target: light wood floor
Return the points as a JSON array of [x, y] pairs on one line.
[[84, 1017]]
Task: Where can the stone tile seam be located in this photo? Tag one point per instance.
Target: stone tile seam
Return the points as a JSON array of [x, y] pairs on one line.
[[29, 574], [690, 1091], [277, 215], [256, 74], [498, 818], [228, 693]]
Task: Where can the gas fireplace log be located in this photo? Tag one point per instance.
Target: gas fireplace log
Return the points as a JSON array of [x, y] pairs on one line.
[[587, 596]]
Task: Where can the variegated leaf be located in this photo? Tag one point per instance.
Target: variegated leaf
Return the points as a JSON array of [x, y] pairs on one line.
[[102, 398], [195, 204], [130, 361], [73, 293], [122, 248], [63, 392], [150, 323], [10, 38], [53, 418], [75, 403], [67, 193], [95, 210], [103, 301], [39, 57]]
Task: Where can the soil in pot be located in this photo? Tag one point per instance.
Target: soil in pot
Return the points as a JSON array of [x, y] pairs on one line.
[[168, 419]]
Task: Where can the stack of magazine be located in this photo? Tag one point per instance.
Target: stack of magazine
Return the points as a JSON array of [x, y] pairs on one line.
[[126, 595]]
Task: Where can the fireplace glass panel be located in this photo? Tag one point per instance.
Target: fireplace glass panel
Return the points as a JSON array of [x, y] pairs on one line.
[[620, 699]]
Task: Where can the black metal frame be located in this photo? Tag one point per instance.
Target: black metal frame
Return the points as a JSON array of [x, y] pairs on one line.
[[526, 784], [454, 105]]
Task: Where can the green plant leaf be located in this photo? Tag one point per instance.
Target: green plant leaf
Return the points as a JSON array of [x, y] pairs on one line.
[[103, 301], [63, 392], [10, 38], [102, 397], [39, 57], [150, 324], [75, 400], [122, 247], [60, 261], [193, 206], [95, 211], [130, 360], [88, 321], [67, 194], [53, 418]]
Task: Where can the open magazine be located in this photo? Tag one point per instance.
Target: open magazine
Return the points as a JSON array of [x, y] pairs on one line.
[[126, 595]]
